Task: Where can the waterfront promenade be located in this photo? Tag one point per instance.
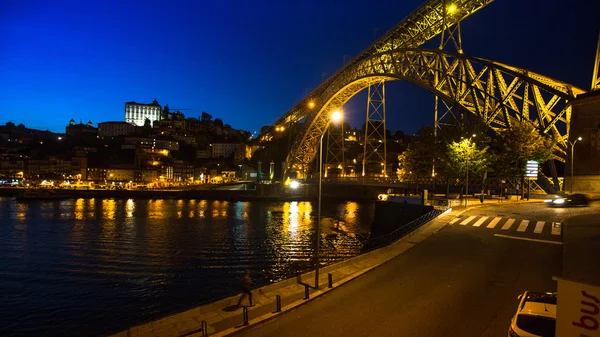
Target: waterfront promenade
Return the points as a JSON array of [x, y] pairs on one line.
[[223, 318]]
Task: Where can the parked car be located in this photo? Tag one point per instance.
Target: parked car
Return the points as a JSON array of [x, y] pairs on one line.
[[576, 199], [535, 317]]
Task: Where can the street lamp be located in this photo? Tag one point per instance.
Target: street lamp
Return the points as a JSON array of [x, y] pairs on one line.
[[335, 117], [572, 154], [467, 182]]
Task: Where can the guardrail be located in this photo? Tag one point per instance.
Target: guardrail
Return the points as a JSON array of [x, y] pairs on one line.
[[386, 239]]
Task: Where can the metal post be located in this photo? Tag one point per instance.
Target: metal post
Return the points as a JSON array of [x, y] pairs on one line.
[[572, 156], [277, 303], [204, 328], [245, 314], [306, 292], [467, 182], [318, 239], [330, 280], [528, 187]]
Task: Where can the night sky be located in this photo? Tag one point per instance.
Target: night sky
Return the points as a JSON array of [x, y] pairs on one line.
[[248, 62]]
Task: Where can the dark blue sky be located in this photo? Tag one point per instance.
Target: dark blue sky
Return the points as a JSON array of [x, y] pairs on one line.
[[248, 62]]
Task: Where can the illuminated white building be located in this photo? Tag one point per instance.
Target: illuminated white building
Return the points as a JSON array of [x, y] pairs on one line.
[[136, 113]]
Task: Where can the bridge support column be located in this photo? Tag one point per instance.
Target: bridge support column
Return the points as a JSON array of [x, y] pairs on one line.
[[585, 123]]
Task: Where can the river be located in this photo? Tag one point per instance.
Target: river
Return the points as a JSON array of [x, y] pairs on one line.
[[97, 266]]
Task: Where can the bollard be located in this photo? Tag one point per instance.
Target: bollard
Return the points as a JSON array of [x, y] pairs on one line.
[[245, 313], [330, 280], [277, 303], [204, 329], [306, 295]]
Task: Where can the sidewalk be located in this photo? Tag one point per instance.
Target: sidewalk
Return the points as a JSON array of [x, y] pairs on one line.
[[581, 249], [223, 318]]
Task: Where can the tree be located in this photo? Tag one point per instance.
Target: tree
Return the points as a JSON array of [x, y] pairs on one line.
[[218, 122], [417, 160], [147, 124], [10, 125], [464, 155], [518, 144], [205, 117]]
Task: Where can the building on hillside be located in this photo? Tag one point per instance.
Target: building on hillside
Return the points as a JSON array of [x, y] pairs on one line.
[[81, 130], [120, 175], [137, 113], [182, 171], [12, 167], [115, 129], [223, 150]]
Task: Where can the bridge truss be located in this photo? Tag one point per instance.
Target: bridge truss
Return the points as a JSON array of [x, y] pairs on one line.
[[499, 94]]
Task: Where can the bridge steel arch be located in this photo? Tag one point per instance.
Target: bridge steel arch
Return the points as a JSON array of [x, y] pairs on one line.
[[499, 94]]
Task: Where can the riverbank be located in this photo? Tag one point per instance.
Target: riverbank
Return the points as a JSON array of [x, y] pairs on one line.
[[261, 192]]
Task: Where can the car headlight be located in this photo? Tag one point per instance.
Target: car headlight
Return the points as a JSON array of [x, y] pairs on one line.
[[558, 201]]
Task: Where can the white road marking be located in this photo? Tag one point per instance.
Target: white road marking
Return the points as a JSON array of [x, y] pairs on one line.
[[494, 222], [467, 220], [539, 226], [480, 221], [508, 224], [556, 228], [523, 226], [528, 239], [454, 220]]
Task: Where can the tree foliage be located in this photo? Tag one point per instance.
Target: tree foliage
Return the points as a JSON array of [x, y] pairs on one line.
[[206, 117], [417, 160], [463, 155], [515, 146]]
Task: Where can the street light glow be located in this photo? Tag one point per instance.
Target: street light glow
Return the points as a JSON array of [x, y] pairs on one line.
[[579, 138], [452, 8], [294, 184], [337, 116], [311, 104]]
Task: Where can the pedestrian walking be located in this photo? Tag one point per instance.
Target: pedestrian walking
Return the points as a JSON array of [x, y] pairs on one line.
[[246, 284]]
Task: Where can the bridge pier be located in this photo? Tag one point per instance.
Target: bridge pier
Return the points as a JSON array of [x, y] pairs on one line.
[[585, 123]]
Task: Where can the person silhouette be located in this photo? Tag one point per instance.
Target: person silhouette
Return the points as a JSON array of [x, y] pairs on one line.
[[246, 284]]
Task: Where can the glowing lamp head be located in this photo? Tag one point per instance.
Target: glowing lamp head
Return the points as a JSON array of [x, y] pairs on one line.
[[579, 138], [337, 116], [311, 104], [452, 8], [294, 184]]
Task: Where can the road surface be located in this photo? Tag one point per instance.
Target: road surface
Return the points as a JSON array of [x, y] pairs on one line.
[[464, 281]]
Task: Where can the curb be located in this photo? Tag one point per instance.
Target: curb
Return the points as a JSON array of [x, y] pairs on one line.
[[322, 291]]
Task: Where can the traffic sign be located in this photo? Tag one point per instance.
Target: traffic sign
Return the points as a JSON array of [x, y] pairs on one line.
[[531, 170]]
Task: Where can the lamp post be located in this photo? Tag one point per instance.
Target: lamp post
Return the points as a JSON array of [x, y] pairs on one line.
[[336, 117], [467, 182], [572, 156]]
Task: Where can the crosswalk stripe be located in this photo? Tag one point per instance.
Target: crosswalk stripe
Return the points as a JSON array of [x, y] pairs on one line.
[[494, 222], [467, 220], [539, 226], [556, 227], [454, 220], [508, 224], [480, 221], [523, 226]]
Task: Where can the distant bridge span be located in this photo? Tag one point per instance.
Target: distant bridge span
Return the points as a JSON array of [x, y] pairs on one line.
[[499, 94]]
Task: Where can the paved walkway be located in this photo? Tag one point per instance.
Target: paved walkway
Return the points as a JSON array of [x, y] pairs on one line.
[[223, 317], [581, 249]]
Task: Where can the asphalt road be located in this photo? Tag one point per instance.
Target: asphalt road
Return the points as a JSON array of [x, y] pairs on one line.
[[464, 281]]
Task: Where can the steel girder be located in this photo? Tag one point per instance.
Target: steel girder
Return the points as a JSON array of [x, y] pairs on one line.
[[420, 26], [497, 93]]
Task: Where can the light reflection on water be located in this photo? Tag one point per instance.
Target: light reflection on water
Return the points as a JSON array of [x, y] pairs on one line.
[[71, 266]]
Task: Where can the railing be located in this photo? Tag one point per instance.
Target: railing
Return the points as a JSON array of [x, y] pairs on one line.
[[386, 239]]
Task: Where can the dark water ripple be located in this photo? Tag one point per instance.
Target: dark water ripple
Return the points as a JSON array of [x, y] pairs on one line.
[[96, 266]]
